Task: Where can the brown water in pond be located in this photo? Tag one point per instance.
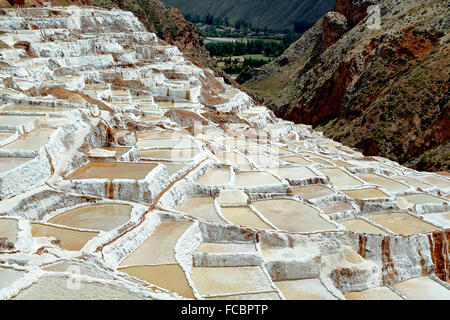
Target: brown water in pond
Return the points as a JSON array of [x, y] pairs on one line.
[[339, 177], [59, 288], [305, 289], [367, 193], [384, 182], [341, 163], [104, 217], [5, 135], [112, 170], [312, 155], [439, 182], [232, 197], [151, 118], [408, 201], [321, 161], [422, 288], [175, 154], [120, 151], [223, 280], [294, 173], [158, 248], [296, 159], [255, 178], [30, 108], [215, 176], [200, 207], [361, 226], [244, 216], [9, 229], [8, 276], [235, 160], [10, 163], [402, 223], [31, 141], [158, 134], [168, 276], [291, 215], [312, 192], [381, 293], [72, 240]]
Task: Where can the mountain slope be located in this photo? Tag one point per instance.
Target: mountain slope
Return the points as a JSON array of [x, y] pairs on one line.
[[273, 14], [383, 91]]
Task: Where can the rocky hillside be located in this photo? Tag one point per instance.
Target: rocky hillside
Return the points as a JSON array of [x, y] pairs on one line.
[[273, 14], [383, 90]]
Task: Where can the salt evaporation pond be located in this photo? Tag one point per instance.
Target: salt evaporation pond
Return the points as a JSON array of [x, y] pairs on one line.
[[215, 176], [402, 223], [31, 141], [304, 289], [200, 207], [244, 216], [112, 170]]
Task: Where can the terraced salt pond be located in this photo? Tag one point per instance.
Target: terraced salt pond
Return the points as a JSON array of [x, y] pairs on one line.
[[9, 163], [229, 280], [169, 154], [215, 176], [180, 143], [168, 276], [340, 178], [12, 121], [171, 166], [335, 206], [95, 217], [295, 173], [402, 223], [255, 178], [31, 141], [361, 226], [304, 289], [244, 216], [388, 184], [235, 160], [292, 215], [57, 288], [159, 247], [366, 193], [422, 288], [72, 240], [200, 207], [410, 200], [312, 192], [381, 293], [8, 276], [112, 170], [296, 159], [9, 229]]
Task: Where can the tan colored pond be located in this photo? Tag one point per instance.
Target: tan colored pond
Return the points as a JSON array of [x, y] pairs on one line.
[[304, 289], [215, 176], [254, 296], [336, 206], [294, 173], [341, 163], [402, 223], [7, 164], [158, 248], [31, 141], [161, 143], [234, 159], [105, 216], [170, 154], [312, 192], [296, 159], [414, 182], [112, 170], [388, 184], [312, 155], [340, 178], [31, 108], [361, 226], [59, 288], [244, 216], [200, 207], [151, 118], [120, 151], [439, 182], [232, 197], [171, 166], [422, 288], [226, 248], [321, 161], [381, 293], [72, 240], [255, 178], [367, 193], [9, 229], [225, 280], [408, 201], [5, 135], [8, 276], [291, 215], [168, 276]]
